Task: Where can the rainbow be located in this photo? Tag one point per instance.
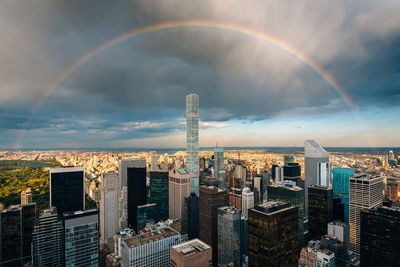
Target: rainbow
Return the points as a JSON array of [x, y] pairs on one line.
[[193, 24]]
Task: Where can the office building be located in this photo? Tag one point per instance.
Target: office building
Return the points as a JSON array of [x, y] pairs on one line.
[[288, 159], [67, 192], [159, 193], [258, 184], [320, 210], [132, 174], [16, 226], [393, 189], [81, 238], [325, 258], [148, 213], [364, 192], [229, 236], [154, 163], [288, 191], [341, 178], [151, 249], [192, 141], [235, 198], [324, 173], [314, 154], [211, 198], [26, 196], [179, 188], [247, 201], [48, 240], [341, 231], [191, 216], [292, 172], [277, 173], [191, 253], [273, 240], [108, 208], [244, 241], [219, 167], [380, 233]]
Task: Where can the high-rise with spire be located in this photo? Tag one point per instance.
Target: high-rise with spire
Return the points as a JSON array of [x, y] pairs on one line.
[[192, 141]]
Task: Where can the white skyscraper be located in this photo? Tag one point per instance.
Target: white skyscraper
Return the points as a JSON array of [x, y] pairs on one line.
[[192, 141], [108, 208], [365, 192], [247, 200], [324, 173], [314, 154]]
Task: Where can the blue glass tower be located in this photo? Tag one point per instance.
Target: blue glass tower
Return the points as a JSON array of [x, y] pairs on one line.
[[341, 178]]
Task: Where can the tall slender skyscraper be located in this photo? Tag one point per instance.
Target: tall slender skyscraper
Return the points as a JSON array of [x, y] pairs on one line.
[[219, 168], [365, 192], [192, 141], [108, 208], [314, 154]]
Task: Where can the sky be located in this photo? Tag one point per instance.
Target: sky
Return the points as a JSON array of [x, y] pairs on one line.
[[252, 93]]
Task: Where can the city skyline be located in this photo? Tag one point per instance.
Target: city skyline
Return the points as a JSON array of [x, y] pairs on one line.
[[82, 81]]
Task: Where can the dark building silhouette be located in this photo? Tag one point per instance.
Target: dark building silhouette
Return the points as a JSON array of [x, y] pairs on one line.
[[16, 227], [380, 235], [67, 191], [273, 240], [292, 172], [136, 180], [159, 192], [338, 210], [320, 210], [191, 216], [211, 198]]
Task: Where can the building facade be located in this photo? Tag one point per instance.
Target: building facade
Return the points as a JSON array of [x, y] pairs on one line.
[[191, 216], [364, 192], [191, 253], [247, 200], [273, 240], [81, 233], [192, 141], [219, 167], [324, 173], [320, 210], [341, 179], [229, 236], [380, 233], [288, 191], [26, 196], [179, 188], [67, 191], [314, 154], [211, 198], [159, 192], [108, 208], [151, 249], [16, 227], [48, 240]]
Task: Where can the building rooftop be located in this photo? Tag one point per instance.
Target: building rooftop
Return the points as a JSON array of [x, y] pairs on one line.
[[151, 236], [287, 185], [366, 177], [191, 247], [147, 205], [231, 210], [316, 186], [314, 150], [272, 206], [182, 171], [79, 213]]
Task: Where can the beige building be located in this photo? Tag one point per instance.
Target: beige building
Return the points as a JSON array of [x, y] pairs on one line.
[[26, 196], [308, 257], [179, 188], [191, 253]]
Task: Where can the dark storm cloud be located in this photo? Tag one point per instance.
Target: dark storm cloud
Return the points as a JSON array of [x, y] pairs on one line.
[[145, 79]]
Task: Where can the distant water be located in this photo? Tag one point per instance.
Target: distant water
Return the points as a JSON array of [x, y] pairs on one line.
[[277, 150]]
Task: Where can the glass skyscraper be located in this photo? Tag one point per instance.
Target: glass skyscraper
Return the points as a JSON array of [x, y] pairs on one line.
[[219, 168], [229, 236], [341, 178], [159, 192], [192, 141]]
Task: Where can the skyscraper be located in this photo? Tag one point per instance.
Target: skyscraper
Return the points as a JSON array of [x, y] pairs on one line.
[[108, 208], [136, 195], [151, 249], [320, 210], [48, 240], [288, 191], [191, 253], [324, 173], [219, 167], [247, 200], [229, 236], [179, 188], [67, 192], [192, 140], [380, 233], [288, 159], [365, 192], [314, 154], [292, 172], [26, 196], [273, 240], [191, 216], [341, 178], [81, 238], [16, 226], [159, 192], [210, 199]]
